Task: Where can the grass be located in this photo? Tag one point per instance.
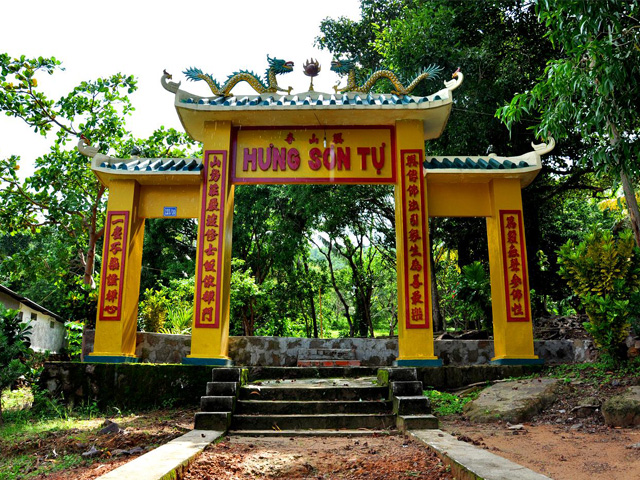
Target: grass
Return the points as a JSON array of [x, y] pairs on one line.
[[43, 436], [23, 429], [443, 403], [593, 373], [18, 399]]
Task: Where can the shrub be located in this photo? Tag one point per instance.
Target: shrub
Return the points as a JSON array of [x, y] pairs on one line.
[[153, 310], [14, 345], [604, 272]]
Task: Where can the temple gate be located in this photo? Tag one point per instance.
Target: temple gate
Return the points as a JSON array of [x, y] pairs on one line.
[[342, 138]]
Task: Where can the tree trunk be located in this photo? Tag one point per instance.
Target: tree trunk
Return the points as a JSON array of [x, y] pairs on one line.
[[627, 187], [438, 323], [94, 236], [313, 304], [632, 205]]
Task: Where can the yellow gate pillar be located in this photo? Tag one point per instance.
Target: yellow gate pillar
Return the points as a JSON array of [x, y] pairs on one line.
[[210, 333], [117, 318], [415, 328], [512, 323]]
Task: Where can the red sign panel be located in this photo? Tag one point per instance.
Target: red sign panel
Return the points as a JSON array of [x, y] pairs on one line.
[[515, 266], [211, 226], [331, 154], [115, 254], [416, 266]]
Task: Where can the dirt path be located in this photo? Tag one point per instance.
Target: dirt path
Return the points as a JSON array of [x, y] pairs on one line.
[[371, 458], [560, 452]]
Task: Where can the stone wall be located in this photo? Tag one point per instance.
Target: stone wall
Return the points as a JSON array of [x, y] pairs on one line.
[[144, 385], [284, 351], [125, 385]]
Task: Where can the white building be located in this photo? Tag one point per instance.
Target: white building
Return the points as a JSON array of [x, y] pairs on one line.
[[47, 328]]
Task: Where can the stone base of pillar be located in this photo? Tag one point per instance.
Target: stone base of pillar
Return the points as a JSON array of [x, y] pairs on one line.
[[218, 362], [91, 358], [517, 361], [418, 362]]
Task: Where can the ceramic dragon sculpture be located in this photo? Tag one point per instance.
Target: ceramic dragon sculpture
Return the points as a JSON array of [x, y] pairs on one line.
[[276, 67], [348, 67]]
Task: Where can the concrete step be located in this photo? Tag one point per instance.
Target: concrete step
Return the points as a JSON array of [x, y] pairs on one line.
[[344, 432], [416, 422], [327, 354], [212, 421], [221, 389], [407, 389], [280, 407], [289, 373], [226, 374], [411, 405], [217, 404], [328, 363], [333, 393], [312, 422], [402, 374]]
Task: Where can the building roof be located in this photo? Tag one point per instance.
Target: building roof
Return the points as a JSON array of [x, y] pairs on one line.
[[313, 109], [465, 169], [29, 303], [182, 165]]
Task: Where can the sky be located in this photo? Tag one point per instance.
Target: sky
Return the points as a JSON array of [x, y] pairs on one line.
[[96, 39]]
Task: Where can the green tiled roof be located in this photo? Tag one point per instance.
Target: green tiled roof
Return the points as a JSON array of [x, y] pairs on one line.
[[157, 165], [469, 163], [315, 99]]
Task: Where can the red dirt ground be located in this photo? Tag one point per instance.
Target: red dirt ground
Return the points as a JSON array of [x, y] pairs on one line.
[[371, 458]]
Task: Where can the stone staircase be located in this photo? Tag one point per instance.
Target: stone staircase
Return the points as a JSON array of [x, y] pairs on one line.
[[328, 357], [322, 404]]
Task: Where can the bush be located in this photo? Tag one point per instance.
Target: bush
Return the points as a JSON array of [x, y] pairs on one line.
[[14, 346], [604, 272], [153, 310]]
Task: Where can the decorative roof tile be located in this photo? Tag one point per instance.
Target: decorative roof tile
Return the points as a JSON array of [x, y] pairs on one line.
[[156, 165], [473, 163], [309, 98]]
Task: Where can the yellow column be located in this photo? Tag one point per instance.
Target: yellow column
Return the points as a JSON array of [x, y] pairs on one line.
[[415, 328], [210, 334], [512, 323], [117, 318]]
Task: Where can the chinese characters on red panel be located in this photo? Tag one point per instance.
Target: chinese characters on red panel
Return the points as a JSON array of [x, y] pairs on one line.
[[114, 258], [416, 298], [211, 221], [514, 266]]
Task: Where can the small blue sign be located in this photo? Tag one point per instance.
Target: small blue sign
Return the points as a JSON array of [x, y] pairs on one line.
[[170, 211]]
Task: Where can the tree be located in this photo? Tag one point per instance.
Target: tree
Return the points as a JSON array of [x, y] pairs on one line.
[[593, 90], [502, 49], [63, 199], [14, 345], [62, 191], [354, 223]]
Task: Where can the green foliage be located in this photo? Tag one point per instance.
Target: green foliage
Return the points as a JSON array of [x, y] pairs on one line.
[[152, 311], [168, 309], [465, 294], [14, 344], [443, 403], [74, 339], [475, 293], [179, 319], [597, 373], [51, 223], [592, 91], [595, 87], [604, 272]]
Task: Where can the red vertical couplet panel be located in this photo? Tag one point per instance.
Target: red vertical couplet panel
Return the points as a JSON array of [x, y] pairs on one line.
[[209, 268], [115, 255], [416, 263], [516, 280]]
